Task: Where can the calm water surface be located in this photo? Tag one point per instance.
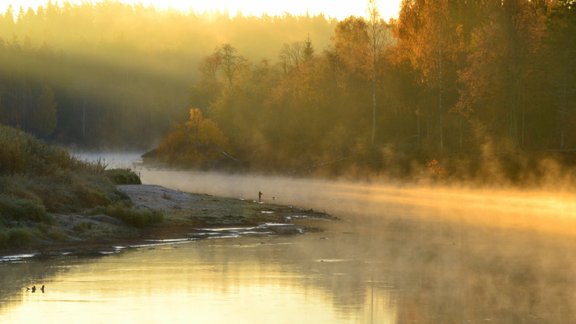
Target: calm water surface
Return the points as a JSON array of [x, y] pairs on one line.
[[271, 280], [398, 255]]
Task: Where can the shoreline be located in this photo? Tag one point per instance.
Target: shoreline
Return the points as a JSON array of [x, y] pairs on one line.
[[187, 217]]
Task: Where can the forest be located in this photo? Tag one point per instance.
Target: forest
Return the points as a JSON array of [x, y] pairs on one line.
[[482, 90], [114, 76]]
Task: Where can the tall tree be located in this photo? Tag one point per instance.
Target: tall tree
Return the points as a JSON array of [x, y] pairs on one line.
[[499, 65], [430, 36], [231, 63], [378, 38]]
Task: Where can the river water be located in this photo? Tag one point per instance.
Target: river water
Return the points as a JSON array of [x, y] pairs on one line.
[[398, 254]]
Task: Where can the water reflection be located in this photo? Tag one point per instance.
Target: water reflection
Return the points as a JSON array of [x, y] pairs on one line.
[[245, 281]]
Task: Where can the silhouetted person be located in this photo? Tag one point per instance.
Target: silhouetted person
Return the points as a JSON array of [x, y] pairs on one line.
[[260, 195], [33, 289], [42, 288]]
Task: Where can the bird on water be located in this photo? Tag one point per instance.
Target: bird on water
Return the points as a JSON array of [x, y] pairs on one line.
[[33, 289]]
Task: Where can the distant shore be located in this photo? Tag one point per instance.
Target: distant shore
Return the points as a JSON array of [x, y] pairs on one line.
[[186, 216]]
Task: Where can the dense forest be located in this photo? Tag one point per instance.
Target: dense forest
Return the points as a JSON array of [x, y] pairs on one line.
[[463, 89], [115, 76], [451, 89]]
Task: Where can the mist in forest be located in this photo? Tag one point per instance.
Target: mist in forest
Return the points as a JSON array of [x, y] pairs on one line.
[[112, 70], [450, 92]]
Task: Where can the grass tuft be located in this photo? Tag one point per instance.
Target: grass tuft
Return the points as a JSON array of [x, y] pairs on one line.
[[123, 176], [132, 216]]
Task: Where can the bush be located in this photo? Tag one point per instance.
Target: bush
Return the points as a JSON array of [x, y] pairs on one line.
[[15, 237], [23, 210], [37, 179], [56, 235], [22, 153], [82, 227], [63, 191], [123, 176], [198, 142], [132, 216]]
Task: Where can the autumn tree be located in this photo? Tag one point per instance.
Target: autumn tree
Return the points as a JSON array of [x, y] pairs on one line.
[[198, 142], [219, 72], [379, 38], [500, 63], [430, 36], [230, 63], [294, 54]]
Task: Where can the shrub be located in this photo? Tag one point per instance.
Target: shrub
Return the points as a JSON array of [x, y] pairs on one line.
[[23, 210], [198, 142], [22, 153], [36, 178], [123, 176], [63, 191], [18, 237], [56, 235], [82, 227], [132, 216]]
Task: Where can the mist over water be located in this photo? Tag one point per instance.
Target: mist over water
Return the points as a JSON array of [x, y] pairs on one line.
[[514, 208], [444, 254], [398, 254]]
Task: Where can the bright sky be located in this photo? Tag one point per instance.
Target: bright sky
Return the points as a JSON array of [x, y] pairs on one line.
[[333, 8]]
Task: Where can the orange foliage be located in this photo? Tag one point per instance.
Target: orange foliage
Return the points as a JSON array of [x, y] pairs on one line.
[[198, 142]]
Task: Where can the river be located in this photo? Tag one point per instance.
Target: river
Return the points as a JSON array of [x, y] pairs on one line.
[[398, 254]]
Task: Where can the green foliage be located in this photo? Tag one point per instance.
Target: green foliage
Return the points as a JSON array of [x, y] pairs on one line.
[[23, 210], [63, 191], [134, 217], [82, 227], [56, 234], [36, 175], [18, 237], [15, 237], [123, 176], [22, 153]]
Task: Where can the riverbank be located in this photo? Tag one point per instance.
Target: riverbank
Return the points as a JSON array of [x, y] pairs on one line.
[[186, 217]]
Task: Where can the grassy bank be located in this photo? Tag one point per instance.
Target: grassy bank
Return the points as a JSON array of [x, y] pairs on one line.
[[40, 183]]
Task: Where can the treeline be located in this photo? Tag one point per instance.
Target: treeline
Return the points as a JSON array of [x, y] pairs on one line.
[[463, 89], [116, 75]]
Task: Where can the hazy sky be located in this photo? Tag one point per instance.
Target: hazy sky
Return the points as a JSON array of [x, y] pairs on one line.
[[333, 8]]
